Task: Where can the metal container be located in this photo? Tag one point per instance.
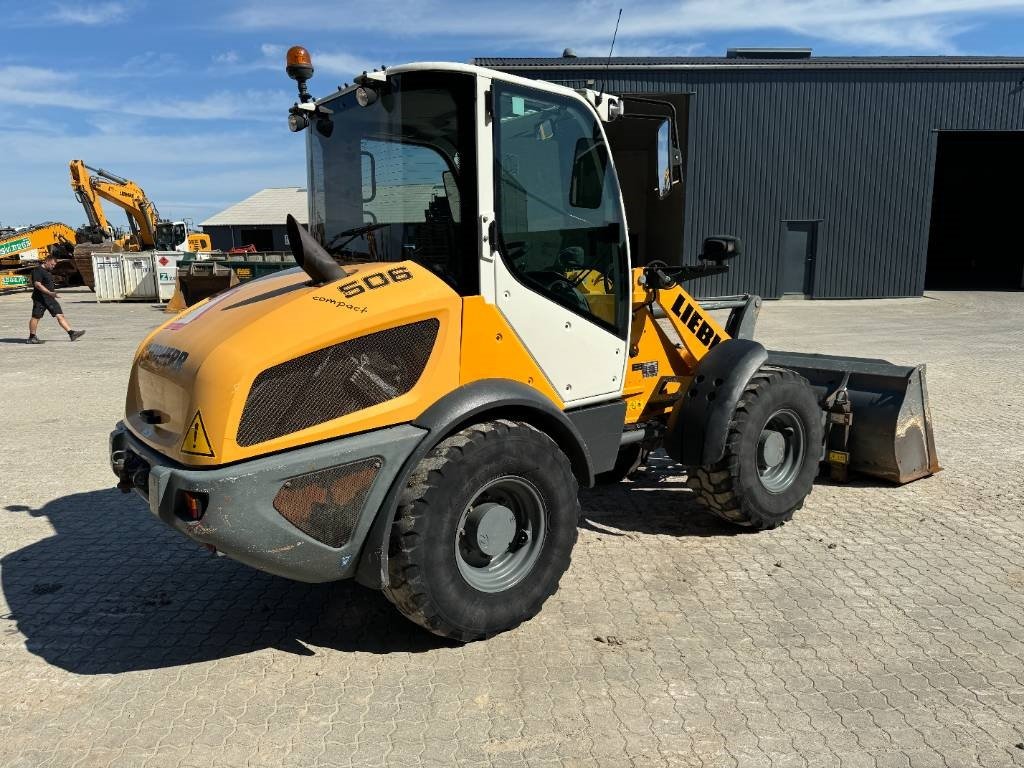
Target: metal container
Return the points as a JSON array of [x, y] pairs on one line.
[[140, 281], [166, 265], [108, 276]]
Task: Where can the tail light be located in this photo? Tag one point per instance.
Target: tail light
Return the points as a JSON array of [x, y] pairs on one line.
[[191, 506]]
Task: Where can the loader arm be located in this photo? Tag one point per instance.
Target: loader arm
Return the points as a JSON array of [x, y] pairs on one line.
[[659, 369]]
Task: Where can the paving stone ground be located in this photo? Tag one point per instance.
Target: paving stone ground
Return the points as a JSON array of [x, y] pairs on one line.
[[882, 627]]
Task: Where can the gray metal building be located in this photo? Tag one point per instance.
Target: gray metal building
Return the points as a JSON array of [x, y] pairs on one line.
[[845, 177]]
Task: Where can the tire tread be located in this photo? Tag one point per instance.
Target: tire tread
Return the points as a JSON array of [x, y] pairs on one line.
[[716, 486], [408, 590]]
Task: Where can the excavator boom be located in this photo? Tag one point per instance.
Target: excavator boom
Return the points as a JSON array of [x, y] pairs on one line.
[[93, 185]]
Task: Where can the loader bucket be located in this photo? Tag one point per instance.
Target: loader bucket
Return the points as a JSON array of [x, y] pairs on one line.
[[891, 435], [202, 279]]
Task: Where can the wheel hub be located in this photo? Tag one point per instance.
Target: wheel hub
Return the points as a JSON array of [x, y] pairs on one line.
[[491, 528], [771, 448], [501, 534], [780, 450]]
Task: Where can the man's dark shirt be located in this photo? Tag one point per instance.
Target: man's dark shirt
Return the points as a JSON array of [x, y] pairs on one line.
[[41, 275]]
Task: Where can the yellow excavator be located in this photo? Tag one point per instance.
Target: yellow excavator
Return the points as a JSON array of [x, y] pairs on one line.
[[22, 249], [148, 231], [481, 322]]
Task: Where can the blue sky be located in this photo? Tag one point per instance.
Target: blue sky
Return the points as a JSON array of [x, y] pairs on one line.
[[190, 99]]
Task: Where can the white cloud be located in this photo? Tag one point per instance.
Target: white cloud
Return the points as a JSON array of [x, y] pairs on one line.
[[271, 58], [642, 48], [228, 57], [193, 174], [930, 25], [242, 105], [88, 14], [36, 86], [342, 64]]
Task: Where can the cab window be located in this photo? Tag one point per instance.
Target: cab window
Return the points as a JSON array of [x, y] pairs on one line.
[[559, 214]]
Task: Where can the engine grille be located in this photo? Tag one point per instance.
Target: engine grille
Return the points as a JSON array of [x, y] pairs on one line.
[[336, 381], [326, 504]]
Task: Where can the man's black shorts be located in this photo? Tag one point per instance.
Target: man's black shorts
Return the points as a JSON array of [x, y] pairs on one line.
[[43, 304]]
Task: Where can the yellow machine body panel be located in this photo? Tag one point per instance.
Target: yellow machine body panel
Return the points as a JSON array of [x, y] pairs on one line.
[[197, 241], [658, 369], [196, 370], [201, 364], [32, 244], [492, 350]]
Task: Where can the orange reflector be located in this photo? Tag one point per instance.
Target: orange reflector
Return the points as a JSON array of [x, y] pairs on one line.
[[194, 506], [298, 56]]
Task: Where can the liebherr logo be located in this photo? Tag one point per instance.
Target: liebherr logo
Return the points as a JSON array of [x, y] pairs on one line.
[[695, 322], [162, 356]]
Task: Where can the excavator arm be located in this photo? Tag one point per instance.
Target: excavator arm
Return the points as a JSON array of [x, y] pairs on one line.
[[141, 212], [124, 193], [85, 193]]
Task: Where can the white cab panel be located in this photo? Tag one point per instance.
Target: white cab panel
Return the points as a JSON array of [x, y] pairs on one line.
[[584, 362]]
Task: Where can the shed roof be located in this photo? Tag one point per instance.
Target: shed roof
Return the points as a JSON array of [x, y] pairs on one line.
[[268, 206], [754, 62]]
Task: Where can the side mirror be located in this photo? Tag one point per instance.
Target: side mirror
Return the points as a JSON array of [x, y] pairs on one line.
[[718, 248], [664, 159]]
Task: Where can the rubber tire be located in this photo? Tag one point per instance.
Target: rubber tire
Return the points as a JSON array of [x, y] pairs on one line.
[[628, 461], [425, 583], [730, 488]]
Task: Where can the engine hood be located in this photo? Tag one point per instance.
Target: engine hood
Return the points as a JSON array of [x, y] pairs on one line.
[[192, 378]]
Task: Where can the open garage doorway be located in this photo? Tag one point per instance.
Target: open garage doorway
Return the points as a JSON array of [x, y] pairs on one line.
[[977, 226]]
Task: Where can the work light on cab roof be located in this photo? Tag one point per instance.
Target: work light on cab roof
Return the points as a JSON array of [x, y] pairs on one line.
[[299, 66]]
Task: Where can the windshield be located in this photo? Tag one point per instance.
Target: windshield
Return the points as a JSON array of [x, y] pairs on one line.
[[165, 237], [169, 236], [396, 180]]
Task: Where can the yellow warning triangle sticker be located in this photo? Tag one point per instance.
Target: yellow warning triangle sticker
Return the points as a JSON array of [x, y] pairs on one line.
[[196, 442]]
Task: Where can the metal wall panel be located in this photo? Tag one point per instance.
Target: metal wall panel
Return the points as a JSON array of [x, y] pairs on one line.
[[854, 148]]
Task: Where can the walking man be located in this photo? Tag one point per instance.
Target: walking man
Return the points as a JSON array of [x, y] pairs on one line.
[[44, 299]]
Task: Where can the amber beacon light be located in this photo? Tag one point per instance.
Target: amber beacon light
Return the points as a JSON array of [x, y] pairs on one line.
[[299, 66]]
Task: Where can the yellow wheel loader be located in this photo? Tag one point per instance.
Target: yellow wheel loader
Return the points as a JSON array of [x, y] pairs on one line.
[[473, 332]]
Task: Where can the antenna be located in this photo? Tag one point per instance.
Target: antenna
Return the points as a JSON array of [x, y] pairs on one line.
[[608, 64]]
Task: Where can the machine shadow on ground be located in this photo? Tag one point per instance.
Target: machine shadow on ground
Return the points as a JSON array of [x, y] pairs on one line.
[[114, 590], [653, 501]]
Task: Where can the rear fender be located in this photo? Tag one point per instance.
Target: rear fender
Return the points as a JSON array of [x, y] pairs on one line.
[[699, 424], [472, 403]]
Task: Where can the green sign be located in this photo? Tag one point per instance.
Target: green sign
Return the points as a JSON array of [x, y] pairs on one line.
[[14, 245], [14, 281]]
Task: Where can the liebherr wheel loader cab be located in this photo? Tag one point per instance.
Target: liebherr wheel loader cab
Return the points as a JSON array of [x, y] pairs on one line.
[[464, 344]]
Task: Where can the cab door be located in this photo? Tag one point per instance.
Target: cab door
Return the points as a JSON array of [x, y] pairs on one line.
[[561, 272]]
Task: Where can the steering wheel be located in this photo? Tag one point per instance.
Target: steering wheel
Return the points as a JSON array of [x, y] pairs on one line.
[[562, 290]]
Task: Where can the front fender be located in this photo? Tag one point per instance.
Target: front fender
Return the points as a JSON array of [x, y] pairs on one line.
[[699, 424], [472, 403]]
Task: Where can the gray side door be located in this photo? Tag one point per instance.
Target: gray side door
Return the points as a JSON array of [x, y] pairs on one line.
[[799, 243]]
